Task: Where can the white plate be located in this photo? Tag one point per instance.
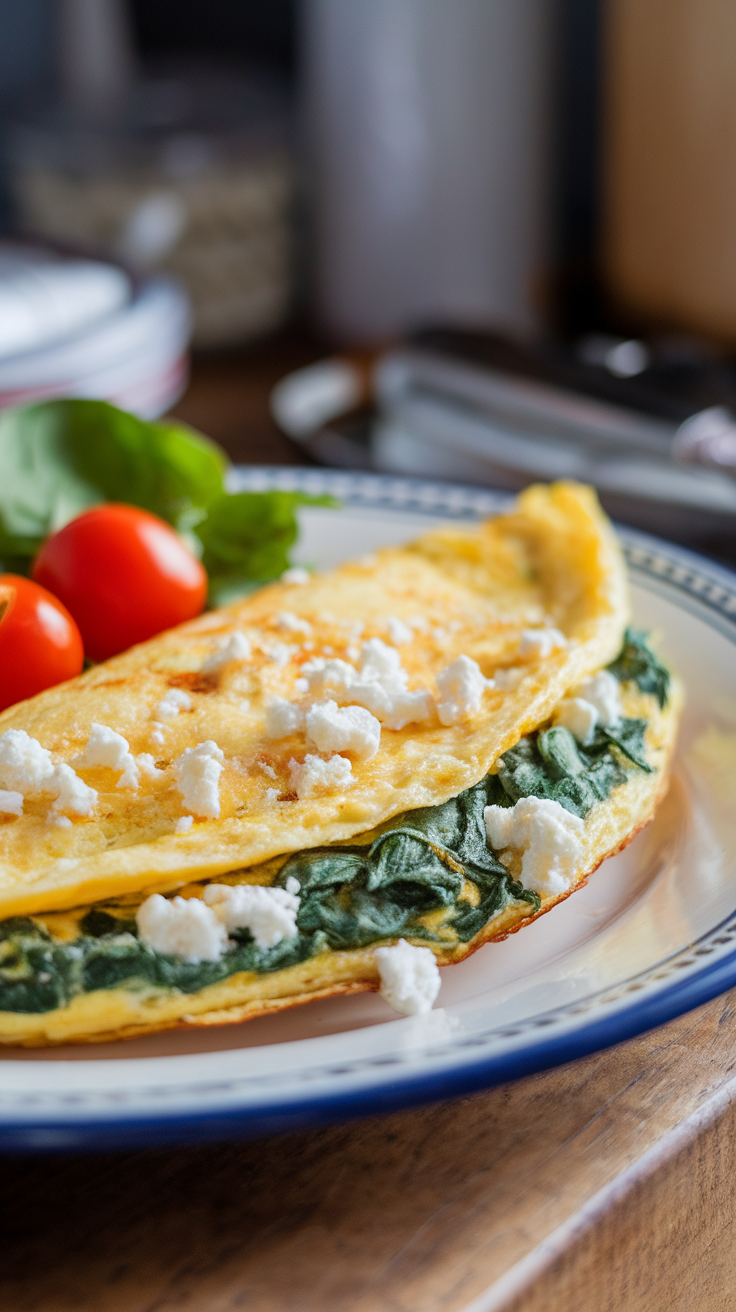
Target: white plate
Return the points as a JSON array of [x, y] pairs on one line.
[[653, 934]]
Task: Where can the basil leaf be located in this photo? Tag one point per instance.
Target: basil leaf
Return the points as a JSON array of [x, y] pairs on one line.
[[246, 538], [59, 457]]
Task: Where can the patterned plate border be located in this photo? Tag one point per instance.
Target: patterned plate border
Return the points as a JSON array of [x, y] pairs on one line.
[[248, 1105]]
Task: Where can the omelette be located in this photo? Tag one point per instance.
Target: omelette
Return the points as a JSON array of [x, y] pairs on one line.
[[337, 784]]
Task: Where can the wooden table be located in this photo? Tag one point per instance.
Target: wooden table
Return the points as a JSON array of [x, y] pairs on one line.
[[602, 1186]]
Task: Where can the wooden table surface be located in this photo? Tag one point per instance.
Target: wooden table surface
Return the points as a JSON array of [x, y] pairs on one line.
[[603, 1186]]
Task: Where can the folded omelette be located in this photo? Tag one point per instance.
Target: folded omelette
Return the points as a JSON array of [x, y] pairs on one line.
[[332, 786]]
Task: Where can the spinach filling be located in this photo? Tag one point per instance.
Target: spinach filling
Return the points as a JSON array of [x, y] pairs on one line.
[[429, 875]]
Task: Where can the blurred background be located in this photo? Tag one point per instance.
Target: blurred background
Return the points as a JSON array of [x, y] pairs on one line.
[[489, 240]]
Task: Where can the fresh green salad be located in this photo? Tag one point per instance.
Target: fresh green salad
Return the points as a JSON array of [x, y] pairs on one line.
[[58, 458]]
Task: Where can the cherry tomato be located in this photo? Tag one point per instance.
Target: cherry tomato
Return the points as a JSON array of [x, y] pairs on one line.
[[40, 644], [123, 574]]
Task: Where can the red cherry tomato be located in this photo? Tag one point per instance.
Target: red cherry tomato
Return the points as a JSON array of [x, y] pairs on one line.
[[123, 574], [40, 644]]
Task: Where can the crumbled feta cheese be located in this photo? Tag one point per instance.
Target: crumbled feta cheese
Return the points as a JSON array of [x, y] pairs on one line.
[[295, 574], [283, 718], [272, 795], [382, 663], [410, 978], [301, 685], [60, 821], [107, 749], [157, 733], [198, 772], [181, 927], [409, 708], [379, 685], [292, 885], [331, 728], [398, 631], [147, 765], [603, 691], [579, 716], [281, 653], [460, 686], [72, 794], [315, 776], [269, 913], [245, 706], [183, 824], [550, 838], [172, 702], [267, 768], [25, 766], [292, 623], [234, 648], [11, 803], [538, 644]]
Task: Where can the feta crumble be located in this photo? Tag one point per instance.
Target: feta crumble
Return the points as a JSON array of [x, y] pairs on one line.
[[410, 977], [147, 765], [314, 776], [538, 644], [269, 913], [181, 927], [331, 728], [60, 821], [281, 652], [603, 691], [579, 716], [549, 838], [378, 685], [409, 708], [292, 885], [25, 766], [382, 664], [283, 718], [292, 623], [107, 749], [267, 768], [198, 772], [172, 702], [72, 794], [11, 803], [295, 574], [272, 795], [460, 686], [234, 648], [183, 824], [398, 631], [157, 733]]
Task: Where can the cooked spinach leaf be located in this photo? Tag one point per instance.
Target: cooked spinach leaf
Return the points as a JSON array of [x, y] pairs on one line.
[[552, 764], [636, 661]]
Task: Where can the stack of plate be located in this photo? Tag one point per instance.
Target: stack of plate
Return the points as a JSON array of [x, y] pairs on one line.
[[72, 326]]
